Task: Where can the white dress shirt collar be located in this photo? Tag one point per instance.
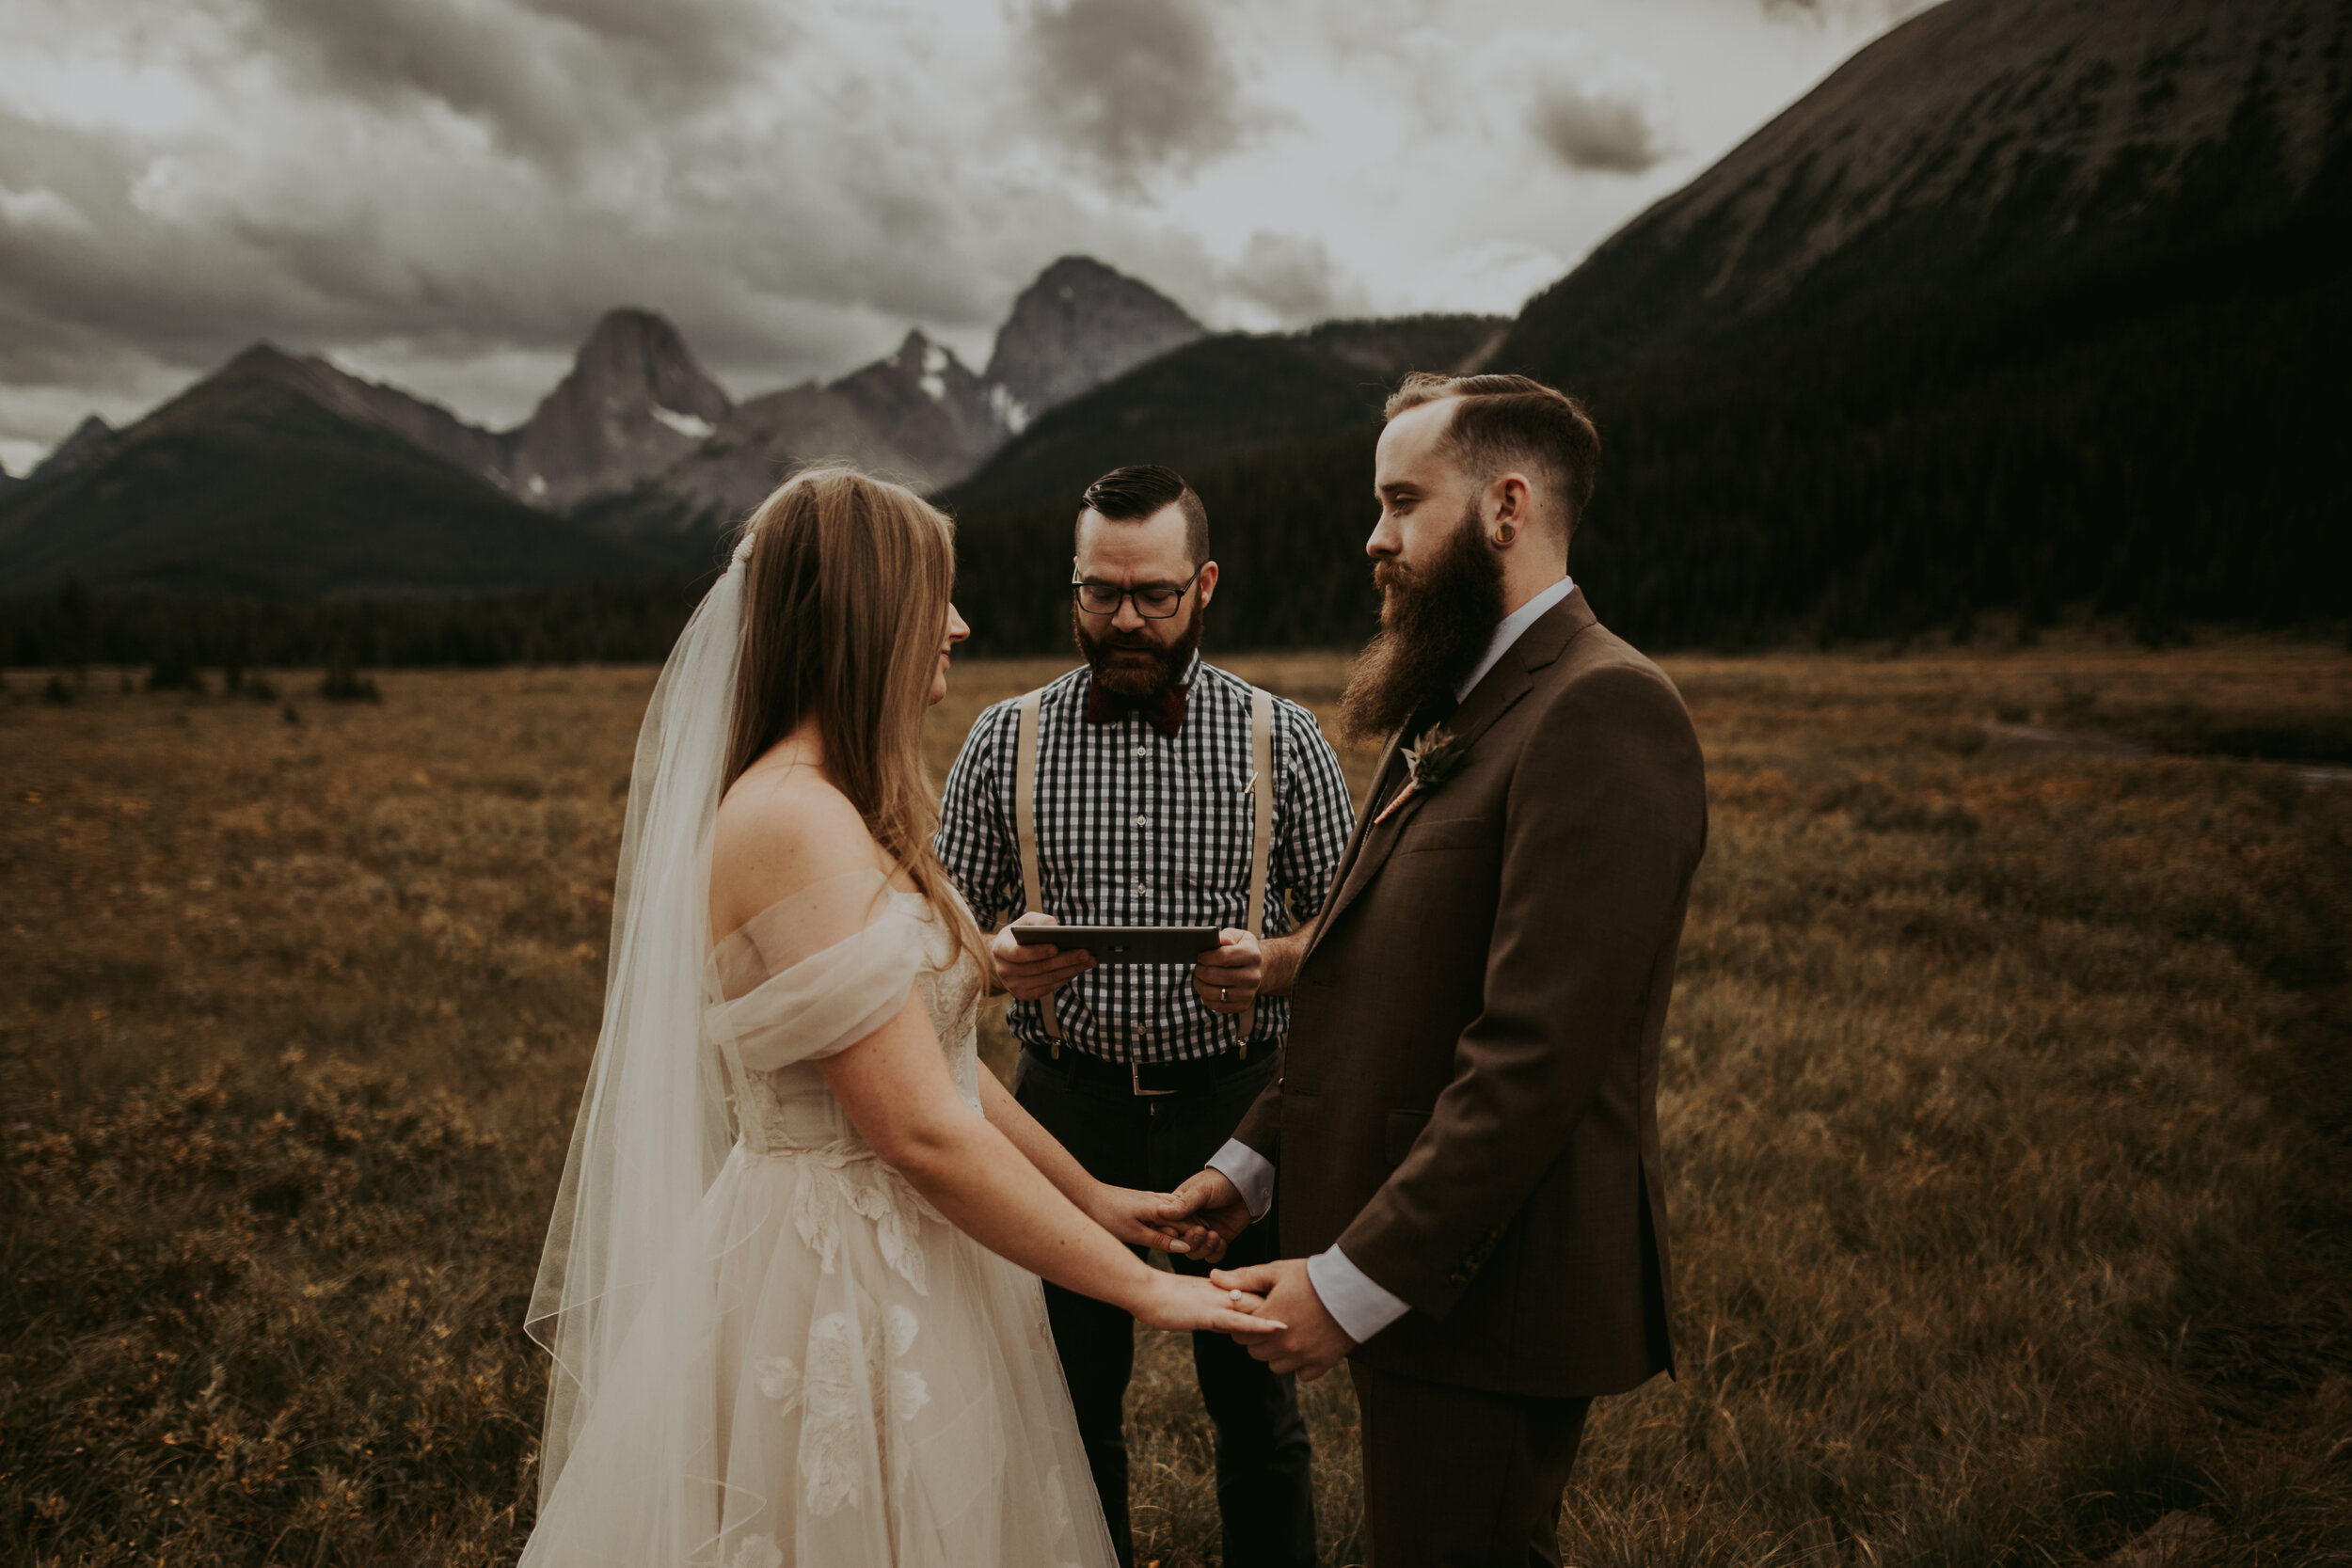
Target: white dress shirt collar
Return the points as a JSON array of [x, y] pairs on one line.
[[1513, 626]]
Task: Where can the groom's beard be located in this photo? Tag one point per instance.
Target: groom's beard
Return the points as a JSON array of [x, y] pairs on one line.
[[1147, 676], [1435, 625]]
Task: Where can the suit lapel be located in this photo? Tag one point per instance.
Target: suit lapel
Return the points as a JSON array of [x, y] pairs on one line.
[[1389, 755], [1503, 686], [1511, 679]]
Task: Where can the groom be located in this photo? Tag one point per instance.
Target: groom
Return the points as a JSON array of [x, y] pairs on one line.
[[1466, 1127]]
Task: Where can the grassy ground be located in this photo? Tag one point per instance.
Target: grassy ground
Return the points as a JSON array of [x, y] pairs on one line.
[[2006, 1104]]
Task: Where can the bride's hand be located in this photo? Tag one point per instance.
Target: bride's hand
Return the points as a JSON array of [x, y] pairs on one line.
[[1135, 1218], [1177, 1301]]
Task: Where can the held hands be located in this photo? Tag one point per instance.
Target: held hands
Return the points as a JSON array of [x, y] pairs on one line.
[[1228, 975], [1184, 1301], [1310, 1344], [1204, 1214], [1030, 972]]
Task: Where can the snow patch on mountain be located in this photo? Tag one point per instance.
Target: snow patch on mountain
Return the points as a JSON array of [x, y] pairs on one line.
[[685, 424]]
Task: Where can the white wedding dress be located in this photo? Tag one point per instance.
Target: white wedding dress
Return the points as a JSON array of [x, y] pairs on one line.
[[829, 1375]]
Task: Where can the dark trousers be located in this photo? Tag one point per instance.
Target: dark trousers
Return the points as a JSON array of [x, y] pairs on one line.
[[1264, 1467], [1454, 1477]]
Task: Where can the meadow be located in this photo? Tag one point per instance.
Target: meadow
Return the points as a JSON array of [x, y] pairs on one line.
[[2006, 1103]]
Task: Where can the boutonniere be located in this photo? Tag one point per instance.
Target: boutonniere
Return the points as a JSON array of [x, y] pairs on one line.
[[1437, 757]]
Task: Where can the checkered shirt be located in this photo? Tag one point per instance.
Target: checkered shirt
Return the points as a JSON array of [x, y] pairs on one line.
[[1139, 829]]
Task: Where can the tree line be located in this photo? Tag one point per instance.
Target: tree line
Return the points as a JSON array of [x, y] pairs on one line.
[[620, 621]]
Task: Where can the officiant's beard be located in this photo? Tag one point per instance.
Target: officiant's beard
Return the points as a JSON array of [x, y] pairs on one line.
[[1436, 622], [1157, 667]]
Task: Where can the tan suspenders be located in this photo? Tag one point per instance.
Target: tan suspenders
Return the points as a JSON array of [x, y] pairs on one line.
[[1262, 824], [1024, 830], [1261, 788]]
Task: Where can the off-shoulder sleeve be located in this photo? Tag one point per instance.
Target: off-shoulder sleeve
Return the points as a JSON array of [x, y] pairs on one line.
[[814, 974]]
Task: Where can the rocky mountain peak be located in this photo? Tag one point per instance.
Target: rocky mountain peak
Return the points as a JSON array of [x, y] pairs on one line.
[[1080, 324], [87, 436], [636, 355], [634, 403], [925, 402], [427, 424]]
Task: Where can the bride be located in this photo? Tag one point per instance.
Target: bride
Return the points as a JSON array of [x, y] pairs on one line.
[[790, 1286]]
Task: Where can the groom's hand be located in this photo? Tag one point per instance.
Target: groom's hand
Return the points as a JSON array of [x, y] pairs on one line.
[[1206, 1213], [1030, 972], [1313, 1343]]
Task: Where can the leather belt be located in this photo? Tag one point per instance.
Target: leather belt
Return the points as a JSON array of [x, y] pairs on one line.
[[1155, 1078]]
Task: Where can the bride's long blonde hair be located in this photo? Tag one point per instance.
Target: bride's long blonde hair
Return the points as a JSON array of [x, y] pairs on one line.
[[845, 600]]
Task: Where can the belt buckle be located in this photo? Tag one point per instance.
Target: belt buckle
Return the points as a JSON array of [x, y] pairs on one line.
[[1135, 1080]]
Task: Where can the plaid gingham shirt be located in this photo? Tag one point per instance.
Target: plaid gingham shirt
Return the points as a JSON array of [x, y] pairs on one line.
[[1139, 829]]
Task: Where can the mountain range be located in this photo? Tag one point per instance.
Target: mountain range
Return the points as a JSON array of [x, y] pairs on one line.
[[2031, 304], [636, 462]]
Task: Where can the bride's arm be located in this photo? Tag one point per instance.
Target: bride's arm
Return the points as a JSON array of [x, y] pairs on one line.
[[893, 1085], [1125, 1212]]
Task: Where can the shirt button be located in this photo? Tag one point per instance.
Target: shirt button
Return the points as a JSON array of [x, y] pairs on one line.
[[1143, 887], [1143, 821], [1143, 750]]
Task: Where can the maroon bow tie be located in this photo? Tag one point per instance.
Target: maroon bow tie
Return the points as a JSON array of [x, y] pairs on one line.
[[1164, 707]]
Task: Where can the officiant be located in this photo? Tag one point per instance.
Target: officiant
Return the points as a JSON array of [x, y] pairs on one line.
[[1149, 787]]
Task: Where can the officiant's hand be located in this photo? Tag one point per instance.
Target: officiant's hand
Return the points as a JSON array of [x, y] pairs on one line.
[[1228, 975], [1135, 1217], [1313, 1343], [1205, 1214], [1030, 972]]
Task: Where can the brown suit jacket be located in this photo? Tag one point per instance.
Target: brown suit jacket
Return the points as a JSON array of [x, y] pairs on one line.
[[1469, 1099]]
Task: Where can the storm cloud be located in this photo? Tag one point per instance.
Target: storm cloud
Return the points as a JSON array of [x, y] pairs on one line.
[[1134, 87], [1588, 128]]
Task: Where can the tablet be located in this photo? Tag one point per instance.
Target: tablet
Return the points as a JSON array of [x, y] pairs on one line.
[[1124, 944]]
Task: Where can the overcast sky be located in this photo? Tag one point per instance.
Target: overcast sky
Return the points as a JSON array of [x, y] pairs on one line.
[[446, 194]]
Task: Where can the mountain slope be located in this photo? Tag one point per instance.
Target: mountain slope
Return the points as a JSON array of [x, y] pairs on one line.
[[1982, 145], [427, 425], [244, 487]]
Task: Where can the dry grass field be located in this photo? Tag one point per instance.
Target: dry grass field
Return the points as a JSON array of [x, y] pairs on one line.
[[2006, 1101]]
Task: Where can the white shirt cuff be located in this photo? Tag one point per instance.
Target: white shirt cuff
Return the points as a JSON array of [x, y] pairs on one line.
[[1355, 1303], [1251, 1172]]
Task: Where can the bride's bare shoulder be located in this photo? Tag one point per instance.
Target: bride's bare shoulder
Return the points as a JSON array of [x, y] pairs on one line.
[[780, 829]]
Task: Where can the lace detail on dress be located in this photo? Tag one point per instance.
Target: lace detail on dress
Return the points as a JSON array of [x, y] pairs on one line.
[[850, 1377], [846, 1179]]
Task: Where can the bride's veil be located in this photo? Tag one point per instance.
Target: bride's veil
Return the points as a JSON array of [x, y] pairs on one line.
[[653, 1129]]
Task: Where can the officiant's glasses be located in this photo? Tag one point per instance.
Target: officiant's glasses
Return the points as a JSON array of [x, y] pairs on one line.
[[1154, 602]]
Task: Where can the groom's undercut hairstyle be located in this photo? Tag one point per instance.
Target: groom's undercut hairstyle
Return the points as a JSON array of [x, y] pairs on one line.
[[1142, 491], [1501, 422]]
